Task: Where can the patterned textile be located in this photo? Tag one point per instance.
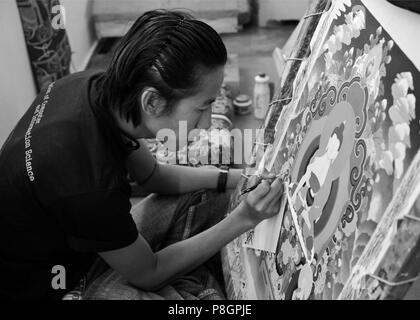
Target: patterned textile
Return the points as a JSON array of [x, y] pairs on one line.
[[48, 47]]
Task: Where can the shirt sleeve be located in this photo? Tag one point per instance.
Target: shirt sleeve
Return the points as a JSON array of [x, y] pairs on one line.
[[96, 222]]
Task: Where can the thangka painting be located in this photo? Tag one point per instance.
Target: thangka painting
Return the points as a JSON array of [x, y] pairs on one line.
[[48, 46], [348, 153]]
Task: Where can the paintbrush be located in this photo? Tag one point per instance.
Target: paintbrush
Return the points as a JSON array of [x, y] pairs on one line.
[[261, 169], [255, 186]]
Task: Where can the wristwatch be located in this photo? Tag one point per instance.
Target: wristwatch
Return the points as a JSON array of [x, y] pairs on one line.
[[223, 176]]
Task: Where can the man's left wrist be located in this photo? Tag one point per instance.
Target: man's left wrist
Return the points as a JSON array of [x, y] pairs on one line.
[[223, 178]]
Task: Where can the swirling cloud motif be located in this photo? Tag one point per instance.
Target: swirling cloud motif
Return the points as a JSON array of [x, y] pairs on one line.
[[402, 112], [350, 224]]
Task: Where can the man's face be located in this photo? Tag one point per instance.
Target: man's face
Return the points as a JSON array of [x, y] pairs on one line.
[[195, 110]]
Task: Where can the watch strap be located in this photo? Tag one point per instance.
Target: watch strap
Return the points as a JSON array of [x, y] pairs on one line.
[[222, 181]]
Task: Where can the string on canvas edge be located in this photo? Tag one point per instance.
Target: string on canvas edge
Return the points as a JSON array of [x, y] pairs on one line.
[[291, 58], [280, 100], [245, 176], [393, 284], [261, 144], [411, 217], [314, 14]]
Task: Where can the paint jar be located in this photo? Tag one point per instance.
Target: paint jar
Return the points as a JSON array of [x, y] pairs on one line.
[[242, 105], [261, 95]]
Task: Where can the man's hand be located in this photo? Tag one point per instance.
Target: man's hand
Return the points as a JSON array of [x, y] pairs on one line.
[[265, 201]]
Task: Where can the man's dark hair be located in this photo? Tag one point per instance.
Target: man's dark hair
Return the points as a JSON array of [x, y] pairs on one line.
[[166, 50]]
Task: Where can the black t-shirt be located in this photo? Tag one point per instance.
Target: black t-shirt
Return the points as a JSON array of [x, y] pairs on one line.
[[64, 194]]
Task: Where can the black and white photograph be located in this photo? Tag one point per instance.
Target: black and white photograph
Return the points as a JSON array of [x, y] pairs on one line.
[[209, 154]]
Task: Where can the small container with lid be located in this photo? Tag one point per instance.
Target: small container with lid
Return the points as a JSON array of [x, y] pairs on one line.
[[242, 105], [261, 95]]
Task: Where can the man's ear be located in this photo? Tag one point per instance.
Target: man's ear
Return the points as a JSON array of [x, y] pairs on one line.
[[151, 102]]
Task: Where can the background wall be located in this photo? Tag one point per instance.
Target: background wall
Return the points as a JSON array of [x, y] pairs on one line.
[[17, 88]]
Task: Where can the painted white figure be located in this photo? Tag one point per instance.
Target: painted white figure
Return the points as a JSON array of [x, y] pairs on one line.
[[305, 283], [316, 173]]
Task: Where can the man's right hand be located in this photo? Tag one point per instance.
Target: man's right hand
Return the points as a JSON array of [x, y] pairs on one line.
[[265, 201]]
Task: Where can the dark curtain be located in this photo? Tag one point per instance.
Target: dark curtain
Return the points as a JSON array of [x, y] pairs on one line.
[[48, 48]]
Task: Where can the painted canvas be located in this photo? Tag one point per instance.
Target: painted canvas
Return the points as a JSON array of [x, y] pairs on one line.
[[346, 145]]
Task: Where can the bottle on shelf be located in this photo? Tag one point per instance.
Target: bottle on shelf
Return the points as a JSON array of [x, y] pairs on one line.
[[261, 95]]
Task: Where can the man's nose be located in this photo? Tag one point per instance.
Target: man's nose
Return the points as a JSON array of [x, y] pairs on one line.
[[205, 120]]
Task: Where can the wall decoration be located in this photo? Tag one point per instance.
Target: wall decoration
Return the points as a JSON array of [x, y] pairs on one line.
[[48, 48], [346, 144]]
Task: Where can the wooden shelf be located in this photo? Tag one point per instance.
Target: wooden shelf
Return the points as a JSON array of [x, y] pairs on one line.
[[114, 18]]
